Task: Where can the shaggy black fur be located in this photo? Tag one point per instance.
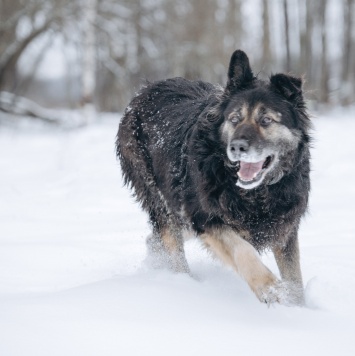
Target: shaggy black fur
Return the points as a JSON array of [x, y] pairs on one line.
[[171, 153]]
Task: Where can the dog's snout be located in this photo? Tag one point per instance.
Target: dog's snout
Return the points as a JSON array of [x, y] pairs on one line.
[[237, 146]]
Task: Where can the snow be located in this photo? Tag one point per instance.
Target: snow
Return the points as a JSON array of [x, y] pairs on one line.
[[72, 246]]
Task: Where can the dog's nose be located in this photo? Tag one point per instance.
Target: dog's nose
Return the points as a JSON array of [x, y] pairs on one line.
[[237, 146]]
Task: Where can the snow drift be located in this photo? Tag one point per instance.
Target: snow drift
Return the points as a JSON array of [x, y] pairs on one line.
[[72, 246]]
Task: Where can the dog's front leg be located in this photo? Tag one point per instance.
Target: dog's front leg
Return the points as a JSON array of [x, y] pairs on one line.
[[233, 250], [287, 257]]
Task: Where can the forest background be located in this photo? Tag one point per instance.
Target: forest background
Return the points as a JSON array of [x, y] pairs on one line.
[[67, 53]]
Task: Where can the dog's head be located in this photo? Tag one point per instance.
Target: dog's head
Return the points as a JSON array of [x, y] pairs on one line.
[[263, 123]]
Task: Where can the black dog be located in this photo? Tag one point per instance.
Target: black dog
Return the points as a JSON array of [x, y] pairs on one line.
[[231, 165]]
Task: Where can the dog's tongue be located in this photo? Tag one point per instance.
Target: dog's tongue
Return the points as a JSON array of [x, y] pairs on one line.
[[248, 170]]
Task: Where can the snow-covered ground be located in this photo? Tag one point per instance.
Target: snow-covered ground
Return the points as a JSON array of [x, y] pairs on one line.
[[72, 246]]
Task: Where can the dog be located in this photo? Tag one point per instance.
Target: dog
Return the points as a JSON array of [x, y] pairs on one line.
[[231, 165]]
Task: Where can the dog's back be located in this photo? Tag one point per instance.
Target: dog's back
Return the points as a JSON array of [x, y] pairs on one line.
[[153, 131]]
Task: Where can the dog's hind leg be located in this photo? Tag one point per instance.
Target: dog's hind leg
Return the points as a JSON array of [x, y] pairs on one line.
[[236, 252], [166, 248], [287, 257], [165, 244]]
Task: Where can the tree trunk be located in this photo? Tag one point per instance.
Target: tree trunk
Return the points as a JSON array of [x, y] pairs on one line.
[[287, 37], [347, 75], [309, 31], [9, 59], [266, 55], [89, 60], [324, 74]]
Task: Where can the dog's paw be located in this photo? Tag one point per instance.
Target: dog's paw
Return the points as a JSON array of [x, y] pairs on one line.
[[282, 293], [271, 293]]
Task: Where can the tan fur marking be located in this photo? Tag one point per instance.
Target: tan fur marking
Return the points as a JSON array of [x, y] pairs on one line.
[[276, 116], [169, 241], [259, 110], [244, 111], [175, 251], [244, 234], [241, 255], [220, 250], [254, 114], [281, 133]]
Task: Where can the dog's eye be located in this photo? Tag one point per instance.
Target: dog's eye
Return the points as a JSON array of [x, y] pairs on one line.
[[265, 121], [234, 118]]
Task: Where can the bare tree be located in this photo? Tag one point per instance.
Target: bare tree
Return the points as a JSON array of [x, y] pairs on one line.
[[287, 36], [11, 46], [347, 75], [89, 59], [324, 73], [89, 49], [266, 54], [121, 43]]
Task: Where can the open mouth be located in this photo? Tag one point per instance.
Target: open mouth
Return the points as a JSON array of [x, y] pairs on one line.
[[252, 172]]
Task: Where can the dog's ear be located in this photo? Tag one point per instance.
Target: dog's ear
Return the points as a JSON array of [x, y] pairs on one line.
[[239, 72], [288, 86]]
